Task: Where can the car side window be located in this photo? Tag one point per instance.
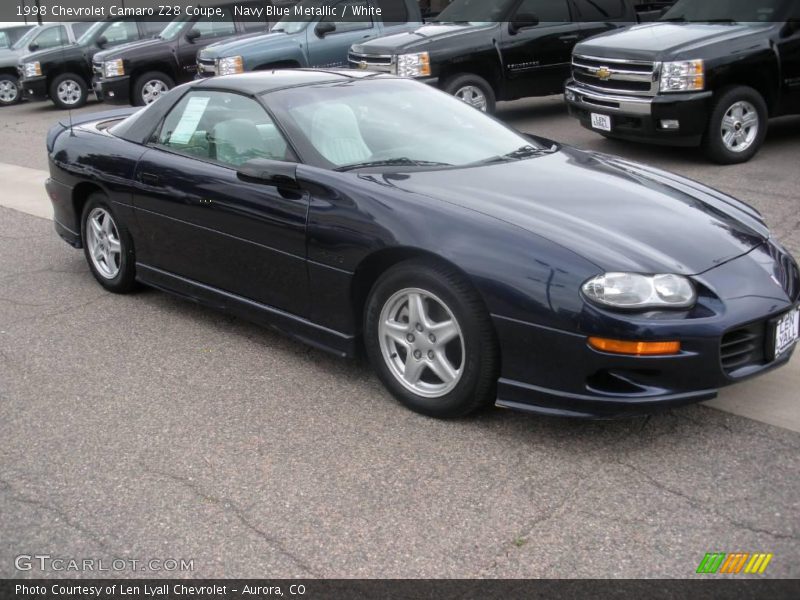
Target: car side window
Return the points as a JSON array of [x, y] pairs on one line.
[[121, 32], [224, 128], [548, 11], [50, 38], [348, 23], [214, 26]]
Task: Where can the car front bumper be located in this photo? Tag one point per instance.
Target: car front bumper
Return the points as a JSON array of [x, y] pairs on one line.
[[115, 90], [556, 372], [640, 118], [34, 88]]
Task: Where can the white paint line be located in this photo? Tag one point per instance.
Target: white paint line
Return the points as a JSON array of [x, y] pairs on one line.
[[772, 399]]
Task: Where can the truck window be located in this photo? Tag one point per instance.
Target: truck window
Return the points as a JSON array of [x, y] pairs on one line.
[[548, 11], [601, 10], [121, 32], [397, 10], [153, 28], [78, 29], [210, 27], [51, 38], [348, 24]]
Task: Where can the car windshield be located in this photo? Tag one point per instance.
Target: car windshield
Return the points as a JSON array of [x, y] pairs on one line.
[[174, 28], [25, 39], [92, 32], [390, 123], [726, 11], [474, 12]]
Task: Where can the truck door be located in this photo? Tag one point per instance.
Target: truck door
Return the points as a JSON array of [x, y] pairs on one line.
[[202, 32], [330, 39], [536, 47]]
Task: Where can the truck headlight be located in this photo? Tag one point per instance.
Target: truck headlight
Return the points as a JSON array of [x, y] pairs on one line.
[[413, 65], [632, 290], [230, 65], [113, 68], [683, 76], [33, 69]]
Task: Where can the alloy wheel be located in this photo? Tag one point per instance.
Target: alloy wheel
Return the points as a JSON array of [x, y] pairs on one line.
[[8, 91], [102, 238], [153, 90], [473, 96], [421, 342], [740, 126], [69, 91]]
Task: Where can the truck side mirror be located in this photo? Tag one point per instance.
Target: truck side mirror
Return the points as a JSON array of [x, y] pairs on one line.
[[102, 41], [192, 35], [33, 46], [522, 21], [324, 28]]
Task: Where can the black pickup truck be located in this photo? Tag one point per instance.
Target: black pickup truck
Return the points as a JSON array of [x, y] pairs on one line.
[[708, 73], [483, 51]]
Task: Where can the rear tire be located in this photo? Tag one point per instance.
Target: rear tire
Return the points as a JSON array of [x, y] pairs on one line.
[[445, 377], [150, 87], [737, 126], [107, 246], [9, 90], [473, 90], [68, 91]]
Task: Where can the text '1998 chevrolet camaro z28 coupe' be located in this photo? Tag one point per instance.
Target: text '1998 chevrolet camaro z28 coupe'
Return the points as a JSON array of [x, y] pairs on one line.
[[471, 262]]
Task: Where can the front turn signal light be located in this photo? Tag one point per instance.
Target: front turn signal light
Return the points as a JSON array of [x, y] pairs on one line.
[[635, 348]]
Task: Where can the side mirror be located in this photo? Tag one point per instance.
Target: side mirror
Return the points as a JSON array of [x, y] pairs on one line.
[[269, 172], [324, 28], [522, 21], [192, 35], [33, 47], [102, 41]]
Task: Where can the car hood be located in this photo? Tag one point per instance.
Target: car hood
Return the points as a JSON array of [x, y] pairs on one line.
[[419, 37], [619, 215], [665, 41], [244, 46], [124, 50]]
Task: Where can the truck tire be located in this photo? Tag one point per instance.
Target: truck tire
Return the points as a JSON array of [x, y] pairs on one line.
[[150, 86], [68, 90], [472, 89], [9, 90], [737, 126]]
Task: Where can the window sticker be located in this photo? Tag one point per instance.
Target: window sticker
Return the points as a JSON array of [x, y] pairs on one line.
[[190, 119]]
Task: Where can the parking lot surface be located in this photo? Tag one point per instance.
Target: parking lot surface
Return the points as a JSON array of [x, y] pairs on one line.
[[147, 427]]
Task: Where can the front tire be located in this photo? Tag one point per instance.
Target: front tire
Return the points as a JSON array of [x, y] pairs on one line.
[[737, 127], [9, 90], [430, 340], [473, 90], [150, 87], [68, 91], [107, 246]]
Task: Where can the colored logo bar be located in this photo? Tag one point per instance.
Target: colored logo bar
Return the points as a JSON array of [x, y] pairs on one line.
[[735, 563]]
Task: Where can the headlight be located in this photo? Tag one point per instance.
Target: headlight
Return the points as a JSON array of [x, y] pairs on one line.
[[33, 69], [113, 68], [631, 290], [230, 65], [413, 65], [683, 76]]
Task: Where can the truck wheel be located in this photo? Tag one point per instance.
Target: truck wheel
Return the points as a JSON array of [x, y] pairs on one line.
[[150, 87], [472, 89], [68, 91], [9, 90], [737, 127]]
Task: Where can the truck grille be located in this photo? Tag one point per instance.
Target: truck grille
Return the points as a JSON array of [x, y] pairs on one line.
[[371, 62], [742, 348], [206, 67], [616, 75]]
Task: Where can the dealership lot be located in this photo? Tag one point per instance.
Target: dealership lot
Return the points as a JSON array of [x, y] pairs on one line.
[[146, 427]]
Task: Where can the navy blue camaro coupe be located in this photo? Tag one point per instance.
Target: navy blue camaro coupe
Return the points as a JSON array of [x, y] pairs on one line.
[[472, 263]]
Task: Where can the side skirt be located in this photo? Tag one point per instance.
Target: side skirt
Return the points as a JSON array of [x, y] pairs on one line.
[[301, 329]]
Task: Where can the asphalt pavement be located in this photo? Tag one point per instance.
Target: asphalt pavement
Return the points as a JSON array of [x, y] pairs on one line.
[[143, 426]]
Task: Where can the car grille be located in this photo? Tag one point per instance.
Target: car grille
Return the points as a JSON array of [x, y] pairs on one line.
[[742, 348], [615, 75], [206, 67], [371, 62]]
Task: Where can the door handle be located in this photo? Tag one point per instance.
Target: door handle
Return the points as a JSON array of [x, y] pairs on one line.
[[149, 178]]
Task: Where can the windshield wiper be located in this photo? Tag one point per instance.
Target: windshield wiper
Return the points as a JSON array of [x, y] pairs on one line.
[[518, 154], [394, 162]]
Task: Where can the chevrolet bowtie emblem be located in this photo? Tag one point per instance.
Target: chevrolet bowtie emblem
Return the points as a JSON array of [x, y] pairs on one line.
[[362, 64], [603, 73]]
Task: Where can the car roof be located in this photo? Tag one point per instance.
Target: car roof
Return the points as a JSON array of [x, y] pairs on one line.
[[262, 82]]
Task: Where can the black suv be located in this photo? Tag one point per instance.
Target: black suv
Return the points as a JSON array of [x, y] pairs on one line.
[[141, 72], [487, 50], [707, 74], [64, 74]]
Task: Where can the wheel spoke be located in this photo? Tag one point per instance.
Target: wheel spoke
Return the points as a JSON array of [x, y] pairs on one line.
[[416, 310], [445, 332], [413, 369], [442, 368], [114, 246], [97, 228], [729, 137], [750, 119], [397, 331]]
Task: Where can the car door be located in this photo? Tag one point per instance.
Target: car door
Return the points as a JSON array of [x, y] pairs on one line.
[[198, 219], [536, 58], [330, 49], [203, 31]]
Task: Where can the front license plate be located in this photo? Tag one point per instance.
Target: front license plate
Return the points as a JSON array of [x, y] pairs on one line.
[[787, 331], [601, 122]]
